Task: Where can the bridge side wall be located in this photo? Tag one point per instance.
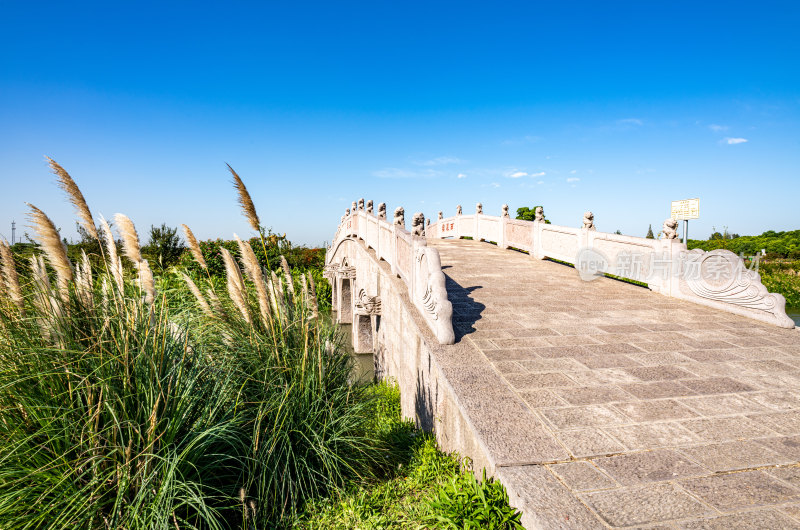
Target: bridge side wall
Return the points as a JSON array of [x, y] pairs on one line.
[[407, 352], [717, 279]]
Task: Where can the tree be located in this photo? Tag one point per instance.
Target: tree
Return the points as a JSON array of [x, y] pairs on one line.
[[618, 232], [165, 246], [650, 232], [529, 214]]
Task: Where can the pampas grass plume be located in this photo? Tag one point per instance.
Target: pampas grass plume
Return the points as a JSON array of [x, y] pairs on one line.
[[194, 247], [114, 264], [66, 183], [53, 247], [130, 239], [248, 208], [11, 279]]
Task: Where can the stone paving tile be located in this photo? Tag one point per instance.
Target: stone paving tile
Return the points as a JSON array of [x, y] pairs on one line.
[[582, 476], [713, 355], [659, 358], [655, 410], [764, 367], [739, 490], [788, 446], [768, 518], [649, 466], [658, 373], [789, 474], [787, 423], [549, 504], [716, 385], [559, 351], [645, 504], [607, 376], [602, 349], [713, 369], [777, 400], [762, 352], [508, 367], [723, 405], [661, 389], [571, 340], [541, 398], [511, 354], [609, 361], [732, 456], [584, 416], [585, 443], [530, 381], [588, 395], [651, 435], [661, 346], [551, 365], [728, 428]]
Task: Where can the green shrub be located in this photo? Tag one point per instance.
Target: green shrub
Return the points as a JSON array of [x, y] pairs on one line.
[[464, 502]]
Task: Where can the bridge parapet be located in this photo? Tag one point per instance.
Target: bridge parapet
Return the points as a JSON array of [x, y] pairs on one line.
[[717, 279], [407, 254]]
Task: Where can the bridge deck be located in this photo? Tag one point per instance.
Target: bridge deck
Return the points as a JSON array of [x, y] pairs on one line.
[[609, 405]]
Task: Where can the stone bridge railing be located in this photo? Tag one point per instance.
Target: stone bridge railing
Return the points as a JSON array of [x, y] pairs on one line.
[[718, 278], [408, 256]]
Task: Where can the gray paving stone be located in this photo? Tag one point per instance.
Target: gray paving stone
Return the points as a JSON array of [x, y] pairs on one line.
[[541, 398], [583, 416], [732, 456], [582, 476], [790, 474], [651, 435], [744, 521], [716, 385], [649, 466], [729, 428], [609, 361], [660, 389], [645, 504], [723, 405], [586, 443], [788, 446], [739, 490], [589, 395], [655, 410], [787, 423], [658, 373]]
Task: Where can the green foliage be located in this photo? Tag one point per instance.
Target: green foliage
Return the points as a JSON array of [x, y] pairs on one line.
[[165, 246], [650, 232], [529, 214], [120, 414], [410, 493], [464, 502], [777, 244]]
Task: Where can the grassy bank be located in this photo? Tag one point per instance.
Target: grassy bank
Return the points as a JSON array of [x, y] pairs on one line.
[[136, 397]]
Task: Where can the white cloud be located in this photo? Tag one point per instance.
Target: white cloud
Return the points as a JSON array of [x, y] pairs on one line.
[[573, 171], [440, 161], [517, 174], [573, 179], [524, 140], [461, 176], [629, 121], [539, 174], [718, 128], [540, 182], [734, 141], [495, 185]]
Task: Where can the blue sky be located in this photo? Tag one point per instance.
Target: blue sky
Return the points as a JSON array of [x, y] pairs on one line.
[[614, 107]]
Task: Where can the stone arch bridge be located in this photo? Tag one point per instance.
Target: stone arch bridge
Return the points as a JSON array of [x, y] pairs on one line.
[[598, 403]]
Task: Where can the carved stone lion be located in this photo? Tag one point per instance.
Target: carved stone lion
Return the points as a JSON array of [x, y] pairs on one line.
[[400, 216], [538, 214], [441, 215], [418, 224], [354, 207], [505, 210], [347, 212], [382, 210], [361, 203], [588, 221], [479, 208], [670, 229], [369, 206], [458, 210]]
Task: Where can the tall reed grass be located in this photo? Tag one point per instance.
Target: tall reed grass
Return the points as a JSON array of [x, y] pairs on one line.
[[205, 406]]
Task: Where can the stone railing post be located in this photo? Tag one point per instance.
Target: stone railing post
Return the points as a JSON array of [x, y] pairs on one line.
[[478, 214], [501, 239]]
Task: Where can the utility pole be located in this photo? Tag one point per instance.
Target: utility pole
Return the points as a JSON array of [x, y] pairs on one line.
[[13, 231]]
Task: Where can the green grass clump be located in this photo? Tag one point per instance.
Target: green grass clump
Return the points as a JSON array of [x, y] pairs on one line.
[[422, 487]]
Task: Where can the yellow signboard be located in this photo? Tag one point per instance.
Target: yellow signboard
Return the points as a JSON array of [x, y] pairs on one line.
[[685, 209]]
